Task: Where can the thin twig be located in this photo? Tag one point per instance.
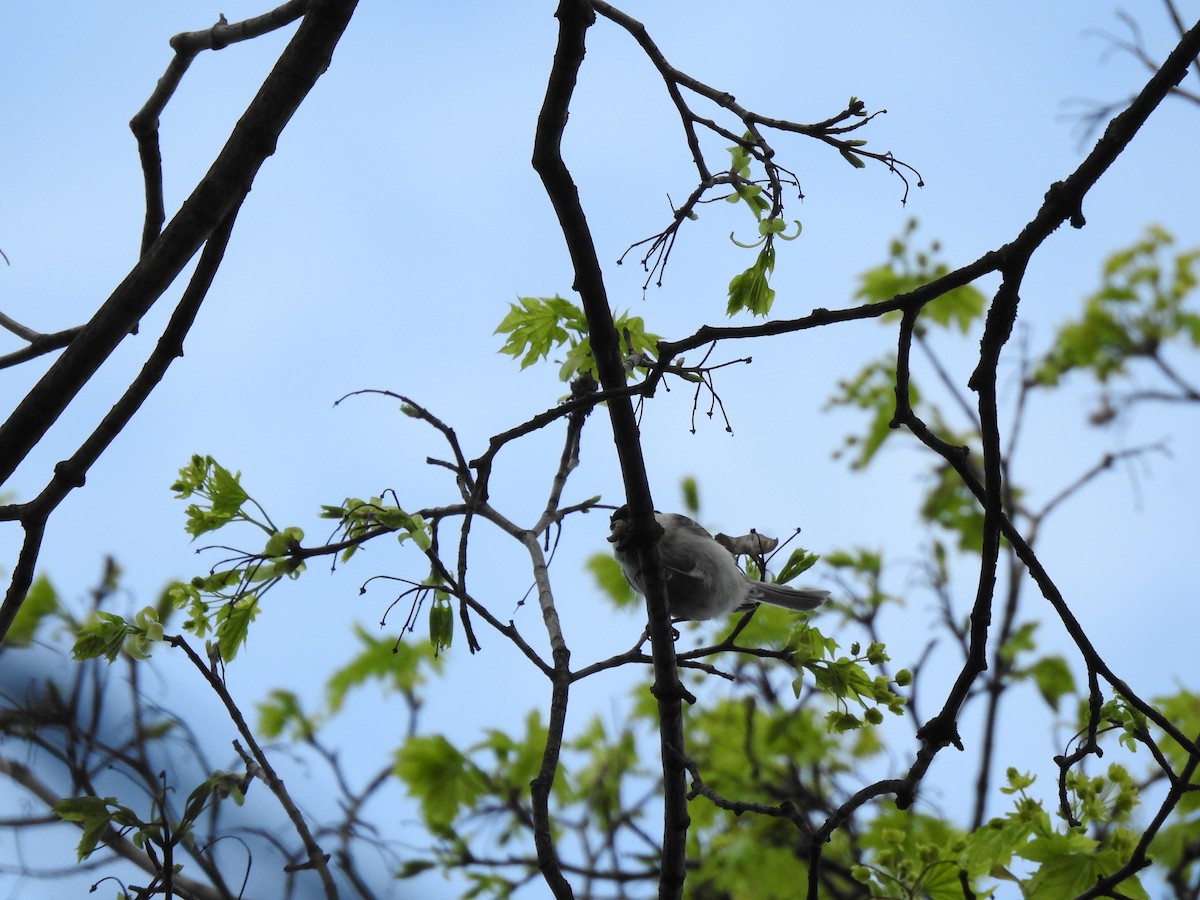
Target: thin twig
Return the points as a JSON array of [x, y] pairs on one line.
[[317, 858]]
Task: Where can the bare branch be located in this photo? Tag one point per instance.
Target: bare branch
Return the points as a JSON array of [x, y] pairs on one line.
[[71, 473], [38, 343], [215, 198], [317, 859], [187, 46], [750, 139], [574, 18]]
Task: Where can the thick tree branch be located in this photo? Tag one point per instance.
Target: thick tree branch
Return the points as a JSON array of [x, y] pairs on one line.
[[1063, 202], [71, 473], [209, 213], [218, 194], [574, 18]]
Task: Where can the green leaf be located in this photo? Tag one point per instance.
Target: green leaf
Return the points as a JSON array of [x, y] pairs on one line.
[[40, 602], [282, 711], [951, 504], [413, 867], [839, 721], [1053, 678], [993, 845], [440, 777], [393, 662], [441, 623], [1017, 781], [536, 326], [751, 195], [226, 490], [212, 482], [798, 562], [211, 791], [691, 495], [873, 390], [906, 271], [517, 759], [1139, 306], [959, 307], [883, 283], [191, 476], [1020, 641], [611, 580], [806, 643], [853, 158], [95, 815], [1061, 874], [282, 542], [842, 678], [750, 290], [233, 625], [102, 636], [740, 160]]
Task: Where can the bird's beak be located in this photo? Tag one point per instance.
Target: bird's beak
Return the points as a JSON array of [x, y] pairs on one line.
[[619, 530]]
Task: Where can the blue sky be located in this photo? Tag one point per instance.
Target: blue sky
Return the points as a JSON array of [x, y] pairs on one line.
[[382, 244]]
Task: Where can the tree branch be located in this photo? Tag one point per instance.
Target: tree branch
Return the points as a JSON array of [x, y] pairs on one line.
[[72, 472], [574, 18], [38, 343], [187, 46], [317, 859], [215, 198]]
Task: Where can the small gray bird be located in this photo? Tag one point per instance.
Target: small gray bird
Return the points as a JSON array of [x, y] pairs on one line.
[[703, 580]]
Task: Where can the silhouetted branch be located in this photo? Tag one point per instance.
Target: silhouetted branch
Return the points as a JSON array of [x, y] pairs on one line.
[[210, 210], [37, 342], [187, 46], [317, 859], [749, 137], [574, 18]]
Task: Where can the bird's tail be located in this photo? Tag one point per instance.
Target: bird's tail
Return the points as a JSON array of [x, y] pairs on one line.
[[789, 598]]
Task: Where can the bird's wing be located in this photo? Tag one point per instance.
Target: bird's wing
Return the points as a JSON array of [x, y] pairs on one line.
[[683, 523], [680, 564], [694, 575]]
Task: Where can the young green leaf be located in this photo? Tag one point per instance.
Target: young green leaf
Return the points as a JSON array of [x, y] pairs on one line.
[[853, 158], [1053, 678], [102, 636], [41, 601], [750, 290], [440, 777], [94, 815], [611, 580], [282, 710], [539, 325], [536, 325], [441, 623], [798, 562], [233, 625], [395, 663]]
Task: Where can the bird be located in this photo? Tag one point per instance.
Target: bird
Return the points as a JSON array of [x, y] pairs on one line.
[[703, 580]]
